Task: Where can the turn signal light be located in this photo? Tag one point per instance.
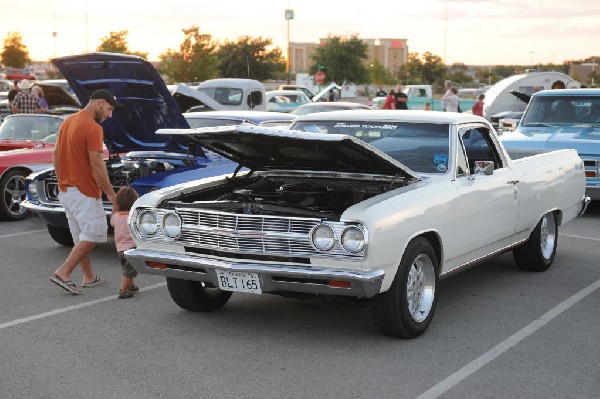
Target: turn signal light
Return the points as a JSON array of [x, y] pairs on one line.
[[338, 284], [156, 265], [590, 173]]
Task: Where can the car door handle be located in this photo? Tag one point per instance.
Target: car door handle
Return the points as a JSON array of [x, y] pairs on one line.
[[513, 182]]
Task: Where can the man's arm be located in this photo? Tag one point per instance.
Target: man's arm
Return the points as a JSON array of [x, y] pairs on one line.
[[101, 175]]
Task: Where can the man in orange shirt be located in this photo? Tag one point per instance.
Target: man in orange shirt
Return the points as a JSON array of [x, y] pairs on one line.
[[82, 177]]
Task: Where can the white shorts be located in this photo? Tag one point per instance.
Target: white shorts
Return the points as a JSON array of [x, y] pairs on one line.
[[86, 216]]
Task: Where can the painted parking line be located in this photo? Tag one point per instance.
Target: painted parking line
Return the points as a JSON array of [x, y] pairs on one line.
[[580, 237], [22, 233], [445, 385], [71, 308]]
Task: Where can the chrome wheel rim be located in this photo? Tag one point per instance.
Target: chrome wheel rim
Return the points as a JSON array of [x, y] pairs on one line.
[[14, 194], [420, 288], [548, 235]]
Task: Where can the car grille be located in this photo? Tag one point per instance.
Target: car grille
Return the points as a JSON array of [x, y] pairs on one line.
[[254, 234]]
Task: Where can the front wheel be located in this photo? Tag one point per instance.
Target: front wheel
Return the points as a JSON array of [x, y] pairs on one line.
[[407, 308], [12, 186], [61, 235], [197, 296], [537, 254]]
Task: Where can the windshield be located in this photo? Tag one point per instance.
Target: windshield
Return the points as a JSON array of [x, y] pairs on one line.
[[223, 95], [30, 128], [562, 110], [422, 147]]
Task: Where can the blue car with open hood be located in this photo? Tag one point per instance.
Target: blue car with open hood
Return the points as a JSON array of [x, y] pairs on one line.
[[137, 156]]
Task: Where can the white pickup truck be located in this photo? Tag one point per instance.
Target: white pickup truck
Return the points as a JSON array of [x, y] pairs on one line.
[[368, 204]]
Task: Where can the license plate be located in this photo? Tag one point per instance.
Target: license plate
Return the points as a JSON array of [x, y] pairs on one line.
[[239, 281]]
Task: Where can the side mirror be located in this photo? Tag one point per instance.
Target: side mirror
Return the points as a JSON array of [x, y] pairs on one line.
[[485, 167]]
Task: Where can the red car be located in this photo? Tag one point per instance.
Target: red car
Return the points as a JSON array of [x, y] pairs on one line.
[[26, 145]]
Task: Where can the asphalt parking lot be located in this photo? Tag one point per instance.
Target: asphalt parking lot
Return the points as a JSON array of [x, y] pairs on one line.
[[498, 333]]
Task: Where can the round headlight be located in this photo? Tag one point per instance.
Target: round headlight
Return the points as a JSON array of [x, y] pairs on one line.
[[172, 225], [322, 237], [147, 223], [353, 239], [32, 188]]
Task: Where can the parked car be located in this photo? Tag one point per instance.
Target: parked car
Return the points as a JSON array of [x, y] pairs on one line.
[[285, 100], [367, 204], [555, 119], [60, 102], [136, 155], [327, 107], [309, 93], [232, 118], [26, 145]]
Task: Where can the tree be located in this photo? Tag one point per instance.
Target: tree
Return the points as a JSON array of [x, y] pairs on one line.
[[15, 53], [250, 58], [434, 70], [116, 42], [195, 61], [380, 76], [342, 59], [412, 69]]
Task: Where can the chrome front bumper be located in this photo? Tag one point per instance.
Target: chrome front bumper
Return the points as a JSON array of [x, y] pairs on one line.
[[274, 278]]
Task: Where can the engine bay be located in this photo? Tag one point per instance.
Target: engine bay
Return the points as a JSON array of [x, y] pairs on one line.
[[325, 198]]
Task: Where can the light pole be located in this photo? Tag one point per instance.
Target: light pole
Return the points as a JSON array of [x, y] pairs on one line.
[[289, 14], [532, 53]]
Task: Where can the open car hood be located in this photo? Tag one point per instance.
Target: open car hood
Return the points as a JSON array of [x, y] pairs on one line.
[[320, 96], [57, 97], [187, 97], [135, 83], [260, 148]]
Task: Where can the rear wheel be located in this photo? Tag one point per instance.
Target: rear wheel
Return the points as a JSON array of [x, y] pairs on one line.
[[537, 254], [406, 309], [60, 235], [197, 296], [12, 187]]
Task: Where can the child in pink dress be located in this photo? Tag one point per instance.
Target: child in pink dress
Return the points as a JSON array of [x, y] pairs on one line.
[[123, 240]]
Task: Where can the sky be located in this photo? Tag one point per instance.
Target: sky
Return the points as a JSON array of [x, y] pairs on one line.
[[474, 32]]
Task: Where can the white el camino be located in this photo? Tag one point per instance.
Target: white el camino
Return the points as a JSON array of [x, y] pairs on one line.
[[369, 204]]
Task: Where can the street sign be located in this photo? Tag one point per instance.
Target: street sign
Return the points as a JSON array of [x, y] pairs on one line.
[[320, 77]]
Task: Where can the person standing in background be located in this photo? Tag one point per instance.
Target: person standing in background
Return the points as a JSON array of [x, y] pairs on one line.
[[452, 104], [12, 94], [401, 98], [447, 94], [477, 108], [25, 102], [390, 101], [37, 91]]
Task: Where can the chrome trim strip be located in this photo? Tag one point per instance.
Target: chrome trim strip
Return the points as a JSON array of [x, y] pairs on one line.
[[474, 262]]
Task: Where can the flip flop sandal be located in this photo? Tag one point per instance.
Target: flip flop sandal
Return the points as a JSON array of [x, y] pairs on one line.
[[67, 285], [125, 294], [97, 281]]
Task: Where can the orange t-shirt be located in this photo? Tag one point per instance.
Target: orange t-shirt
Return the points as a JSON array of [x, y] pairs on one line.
[[78, 135]]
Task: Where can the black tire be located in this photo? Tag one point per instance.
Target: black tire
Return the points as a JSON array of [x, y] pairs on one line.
[[12, 187], [60, 235], [537, 254], [196, 296], [392, 311]]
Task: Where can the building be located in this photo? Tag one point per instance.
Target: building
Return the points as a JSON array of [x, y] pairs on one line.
[[391, 53], [586, 73]]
